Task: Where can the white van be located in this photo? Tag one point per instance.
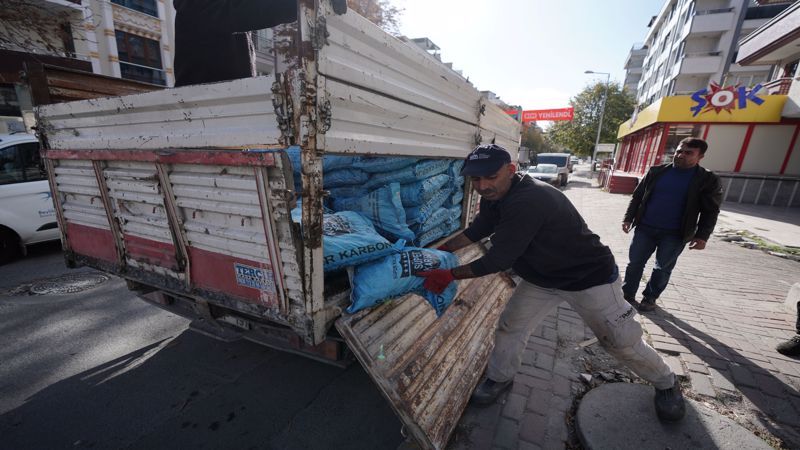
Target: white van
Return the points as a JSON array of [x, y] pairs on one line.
[[27, 215]]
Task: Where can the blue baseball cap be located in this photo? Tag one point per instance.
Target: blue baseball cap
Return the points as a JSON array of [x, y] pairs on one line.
[[485, 160]]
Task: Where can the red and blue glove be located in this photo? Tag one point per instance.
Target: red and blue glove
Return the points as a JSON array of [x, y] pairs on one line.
[[437, 280]]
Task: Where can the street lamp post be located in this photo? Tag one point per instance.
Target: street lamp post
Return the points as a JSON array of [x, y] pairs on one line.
[[602, 112]]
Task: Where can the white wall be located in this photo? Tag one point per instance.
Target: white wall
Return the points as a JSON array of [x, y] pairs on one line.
[[767, 149], [724, 145], [793, 168]]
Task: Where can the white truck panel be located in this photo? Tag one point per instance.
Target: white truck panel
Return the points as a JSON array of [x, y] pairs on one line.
[[371, 123], [360, 53], [236, 113]]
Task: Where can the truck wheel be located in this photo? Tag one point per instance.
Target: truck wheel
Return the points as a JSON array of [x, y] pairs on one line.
[[9, 246]]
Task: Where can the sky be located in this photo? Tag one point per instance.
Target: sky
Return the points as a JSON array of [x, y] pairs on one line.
[[531, 53]]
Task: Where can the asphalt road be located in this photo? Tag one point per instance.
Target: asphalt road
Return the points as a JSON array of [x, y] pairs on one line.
[[102, 369]]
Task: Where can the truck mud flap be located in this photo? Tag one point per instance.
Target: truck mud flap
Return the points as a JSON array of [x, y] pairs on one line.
[[427, 367]]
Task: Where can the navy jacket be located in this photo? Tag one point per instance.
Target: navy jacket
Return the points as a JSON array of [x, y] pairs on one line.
[[702, 203]]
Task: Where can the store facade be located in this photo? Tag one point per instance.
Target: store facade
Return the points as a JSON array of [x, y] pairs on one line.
[[751, 146]]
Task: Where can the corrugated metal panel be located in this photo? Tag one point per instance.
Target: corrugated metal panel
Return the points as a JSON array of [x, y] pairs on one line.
[[362, 54], [228, 114], [220, 209], [367, 122], [77, 186], [427, 367]]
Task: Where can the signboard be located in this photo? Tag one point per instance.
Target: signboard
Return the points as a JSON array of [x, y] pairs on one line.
[[604, 148], [717, 98], [536, 115]]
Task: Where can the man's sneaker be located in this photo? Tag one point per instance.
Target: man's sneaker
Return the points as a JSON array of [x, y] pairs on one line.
[[631, 300], [790, 347], [647, 305], [670, 406], [487, 392]]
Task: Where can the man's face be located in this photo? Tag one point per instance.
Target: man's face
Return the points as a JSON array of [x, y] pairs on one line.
[[686, 157], [496, 185]]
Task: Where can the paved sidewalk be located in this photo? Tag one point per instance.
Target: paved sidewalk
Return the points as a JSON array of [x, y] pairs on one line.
[[718, 323]]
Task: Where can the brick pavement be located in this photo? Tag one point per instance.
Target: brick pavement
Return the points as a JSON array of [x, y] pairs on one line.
[[718, 323]]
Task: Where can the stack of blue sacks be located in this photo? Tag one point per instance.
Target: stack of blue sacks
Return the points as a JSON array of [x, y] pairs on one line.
[[383, 211]]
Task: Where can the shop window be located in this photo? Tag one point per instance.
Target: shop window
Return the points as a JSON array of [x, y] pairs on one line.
[[676, 134]]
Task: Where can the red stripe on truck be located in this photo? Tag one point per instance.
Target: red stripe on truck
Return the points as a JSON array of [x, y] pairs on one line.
[[151, 252], [250, 280], [90, 241], [182, 156]]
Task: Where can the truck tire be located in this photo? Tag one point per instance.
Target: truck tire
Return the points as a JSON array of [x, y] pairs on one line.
[[9, 246]]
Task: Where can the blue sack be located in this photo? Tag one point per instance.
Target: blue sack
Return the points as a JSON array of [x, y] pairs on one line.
[[347, 191], [375, 164], [437, 232], [395, 275], [329, 162], [457, 197], [348, 239], [437, 217], [344, 177], [420, 214], [383, 207], [424, 169], [417, 193]]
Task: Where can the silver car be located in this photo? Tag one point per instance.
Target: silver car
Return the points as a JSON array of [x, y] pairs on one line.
[[545, 172]]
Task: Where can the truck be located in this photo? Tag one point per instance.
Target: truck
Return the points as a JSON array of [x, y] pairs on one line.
[[562, 160], [186, 193]]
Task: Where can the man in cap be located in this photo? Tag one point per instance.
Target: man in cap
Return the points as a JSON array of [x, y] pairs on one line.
[[536, 231]]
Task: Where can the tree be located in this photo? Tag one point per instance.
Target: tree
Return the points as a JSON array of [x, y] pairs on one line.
[[533, 137], [37, 27], [380, 12], [578, 135]]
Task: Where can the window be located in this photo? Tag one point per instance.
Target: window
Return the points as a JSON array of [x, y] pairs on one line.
[[20, 163], [140, 58], [148, 7], [676, 134]]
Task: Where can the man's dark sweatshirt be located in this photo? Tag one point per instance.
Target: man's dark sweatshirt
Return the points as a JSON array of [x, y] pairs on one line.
[[537, 232]]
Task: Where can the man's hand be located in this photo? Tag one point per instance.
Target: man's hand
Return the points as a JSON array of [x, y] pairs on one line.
[[626, 226], [697, 244], [437, 280]]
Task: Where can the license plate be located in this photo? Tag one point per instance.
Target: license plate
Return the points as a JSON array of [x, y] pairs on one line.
[[238, 321]]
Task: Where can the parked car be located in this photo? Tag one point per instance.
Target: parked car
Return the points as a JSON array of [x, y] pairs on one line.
[[545, 172], [27, 215], [559, 159]]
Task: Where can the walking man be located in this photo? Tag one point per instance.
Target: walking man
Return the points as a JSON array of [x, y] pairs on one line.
[[537, 231], [675, 204]]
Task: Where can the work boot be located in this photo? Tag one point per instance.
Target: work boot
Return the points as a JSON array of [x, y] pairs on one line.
[[790, 347], [487, 392], [647, 305], [670, 406], [631, 300]]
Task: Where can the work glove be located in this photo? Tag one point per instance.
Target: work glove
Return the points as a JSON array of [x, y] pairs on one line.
[[443, 248], [437, 280]]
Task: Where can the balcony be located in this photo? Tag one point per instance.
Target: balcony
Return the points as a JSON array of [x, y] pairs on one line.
[[713, 21], [131, 71], [778, 87], [700, 63]]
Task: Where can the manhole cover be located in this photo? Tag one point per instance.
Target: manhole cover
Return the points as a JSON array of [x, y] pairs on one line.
[[68, 284]]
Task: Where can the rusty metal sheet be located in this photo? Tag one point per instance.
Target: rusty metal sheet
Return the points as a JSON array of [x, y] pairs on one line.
[[427, 367]]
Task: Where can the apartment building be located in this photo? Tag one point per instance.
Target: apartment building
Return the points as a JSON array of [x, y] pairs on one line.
[[691, 43]]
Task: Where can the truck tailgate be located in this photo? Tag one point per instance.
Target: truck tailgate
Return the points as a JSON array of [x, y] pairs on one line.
[[427, 367]]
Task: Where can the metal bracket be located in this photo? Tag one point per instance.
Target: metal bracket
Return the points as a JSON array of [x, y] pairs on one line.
[[478, 138], [283, 108], [319, 33], [482, 109], [324, 113]]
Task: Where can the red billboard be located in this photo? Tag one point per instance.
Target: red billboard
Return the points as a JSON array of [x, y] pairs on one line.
[[536, 115]]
